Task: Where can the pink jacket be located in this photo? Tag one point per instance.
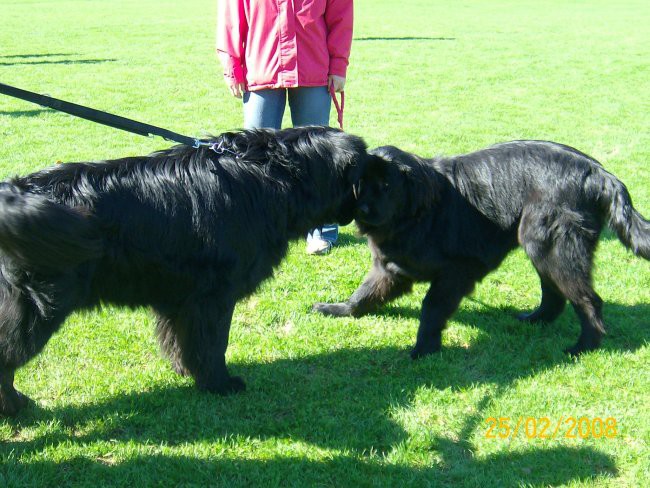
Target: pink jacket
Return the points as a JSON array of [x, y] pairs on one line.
[[283, 43]]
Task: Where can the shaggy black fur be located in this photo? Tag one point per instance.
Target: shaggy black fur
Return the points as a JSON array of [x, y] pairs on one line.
[[450, 221], [185, 231]]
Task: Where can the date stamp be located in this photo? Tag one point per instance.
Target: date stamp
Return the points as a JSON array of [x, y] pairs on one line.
[[546, 428]]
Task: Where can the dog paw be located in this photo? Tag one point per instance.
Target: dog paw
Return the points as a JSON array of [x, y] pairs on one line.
[[235, 385], [13, 402], [536, 317], [422, 351], [573, 352], [542, 314], [232, 385], [528, 317], [578, 350], [333, 309]]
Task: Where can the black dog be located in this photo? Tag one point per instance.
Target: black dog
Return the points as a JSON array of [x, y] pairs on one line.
[[450, 221], [186, 231]]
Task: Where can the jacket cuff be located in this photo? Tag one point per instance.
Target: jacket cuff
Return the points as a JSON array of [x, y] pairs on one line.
[[338, 66], [234, 76], [233, 71]]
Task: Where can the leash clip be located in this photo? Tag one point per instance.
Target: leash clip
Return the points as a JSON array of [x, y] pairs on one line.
[[218, 148]]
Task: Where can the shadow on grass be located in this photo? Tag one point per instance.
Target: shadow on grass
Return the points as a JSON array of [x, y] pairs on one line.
[[35, 55], [627, 326], [337, 400], [556, 466], [350, 239], [24, 113], [407, 38], [58, 61]]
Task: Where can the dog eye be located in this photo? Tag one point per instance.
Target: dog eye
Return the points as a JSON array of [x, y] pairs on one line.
[[385, 186]]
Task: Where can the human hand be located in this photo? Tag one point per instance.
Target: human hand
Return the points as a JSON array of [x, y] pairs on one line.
[[336, 82], [237, 89]]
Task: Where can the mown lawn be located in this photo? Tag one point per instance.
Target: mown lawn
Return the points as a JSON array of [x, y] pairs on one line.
[[337, 402]]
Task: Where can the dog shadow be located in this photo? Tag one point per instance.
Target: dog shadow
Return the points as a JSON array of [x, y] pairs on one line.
[[627, 326], [538, 468], [305, 399]]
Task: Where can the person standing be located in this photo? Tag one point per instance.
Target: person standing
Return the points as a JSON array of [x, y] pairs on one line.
[[274, 51]]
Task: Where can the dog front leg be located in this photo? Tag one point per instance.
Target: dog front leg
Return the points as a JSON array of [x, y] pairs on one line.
[[379, 287], [440, 302], [11, 400], [202, 334]]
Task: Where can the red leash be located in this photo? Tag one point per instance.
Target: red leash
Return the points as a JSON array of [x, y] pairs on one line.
[[339, 107]]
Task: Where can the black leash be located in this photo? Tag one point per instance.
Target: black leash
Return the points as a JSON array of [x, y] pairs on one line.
[[100, 117]]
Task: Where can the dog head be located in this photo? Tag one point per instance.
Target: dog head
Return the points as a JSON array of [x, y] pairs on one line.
[[319, 163], [392, 186], [343, 158]]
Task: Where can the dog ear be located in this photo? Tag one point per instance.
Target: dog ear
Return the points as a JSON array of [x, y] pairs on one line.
[[421, 188], [355, 171], [419, 182]]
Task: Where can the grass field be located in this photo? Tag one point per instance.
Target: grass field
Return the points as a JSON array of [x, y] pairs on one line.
[[337, 402]]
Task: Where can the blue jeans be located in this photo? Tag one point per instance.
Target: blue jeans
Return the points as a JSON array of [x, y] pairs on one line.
[[309, 105]]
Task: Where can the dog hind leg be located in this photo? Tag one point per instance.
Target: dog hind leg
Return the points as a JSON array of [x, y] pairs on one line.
[[561, 244], [589, 310], [26, 324], [551, 306]]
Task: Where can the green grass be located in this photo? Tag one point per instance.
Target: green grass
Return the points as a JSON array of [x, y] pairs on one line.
[[337, 402]]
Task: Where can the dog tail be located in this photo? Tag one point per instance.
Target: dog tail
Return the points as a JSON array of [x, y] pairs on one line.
[[40, 233], [630, 226]]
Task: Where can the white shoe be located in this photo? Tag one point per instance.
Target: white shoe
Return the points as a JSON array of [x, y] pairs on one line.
[[318, 246]]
